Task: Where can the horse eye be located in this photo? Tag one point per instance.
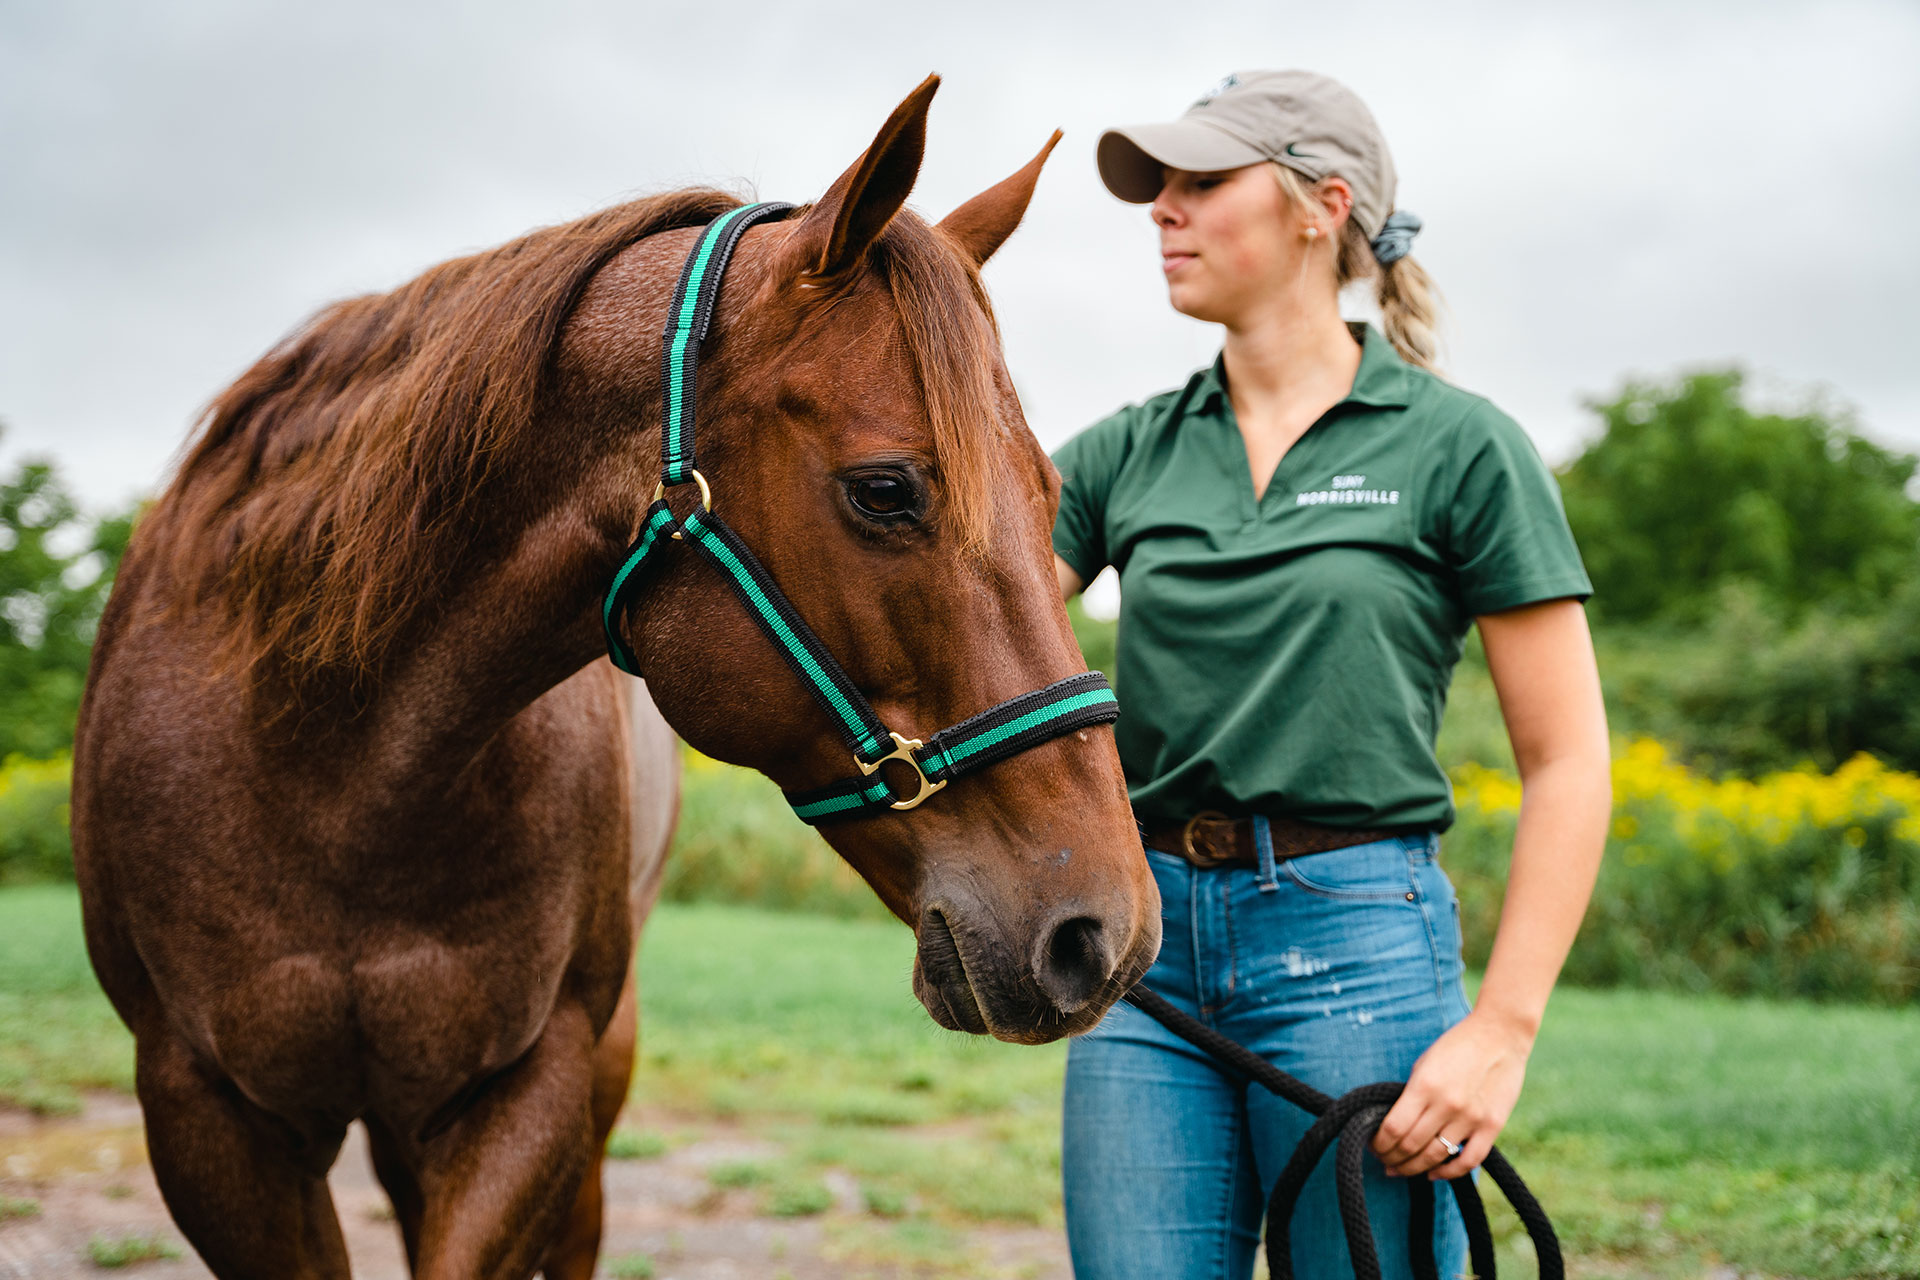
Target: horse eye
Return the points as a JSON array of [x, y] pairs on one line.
[[885, 497]]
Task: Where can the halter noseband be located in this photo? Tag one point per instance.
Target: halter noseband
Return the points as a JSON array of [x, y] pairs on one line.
[[993, 735]]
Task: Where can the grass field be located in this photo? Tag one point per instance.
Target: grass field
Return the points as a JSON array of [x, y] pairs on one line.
[[1667, 1135]]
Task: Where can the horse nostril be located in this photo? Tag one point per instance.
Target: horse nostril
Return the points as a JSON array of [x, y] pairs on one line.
[[1073, 964]]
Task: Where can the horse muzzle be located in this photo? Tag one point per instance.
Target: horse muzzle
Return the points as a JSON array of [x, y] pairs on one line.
[[1058, 980]]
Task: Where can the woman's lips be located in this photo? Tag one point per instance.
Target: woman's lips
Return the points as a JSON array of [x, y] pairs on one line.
[[1172, 262]]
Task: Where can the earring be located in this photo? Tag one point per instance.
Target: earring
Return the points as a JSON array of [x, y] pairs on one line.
[[1312, 233]]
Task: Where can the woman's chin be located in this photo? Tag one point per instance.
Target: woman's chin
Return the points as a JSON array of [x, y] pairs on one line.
[[1195, 302]]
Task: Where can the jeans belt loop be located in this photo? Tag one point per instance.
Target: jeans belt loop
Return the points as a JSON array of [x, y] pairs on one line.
[[1268, 878]]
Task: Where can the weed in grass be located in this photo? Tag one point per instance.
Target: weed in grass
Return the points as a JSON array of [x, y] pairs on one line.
[[631, 1266], [11, 1208], [884, 1201], [126, 1251], [635, 1144], [798, 1198], [739, 1173]]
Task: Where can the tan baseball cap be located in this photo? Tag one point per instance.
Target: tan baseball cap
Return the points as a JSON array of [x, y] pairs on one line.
[[1311, 123]]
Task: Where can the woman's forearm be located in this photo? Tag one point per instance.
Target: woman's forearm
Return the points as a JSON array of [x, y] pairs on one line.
[[1556, 857]]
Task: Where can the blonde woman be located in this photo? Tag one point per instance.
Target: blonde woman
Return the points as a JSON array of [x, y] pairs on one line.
[[1304, 534]]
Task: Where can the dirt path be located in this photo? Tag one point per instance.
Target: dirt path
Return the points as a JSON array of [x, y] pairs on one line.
[[87, 1180]]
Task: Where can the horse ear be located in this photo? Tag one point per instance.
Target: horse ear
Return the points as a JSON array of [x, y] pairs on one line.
[[982, 224], [833, 237]]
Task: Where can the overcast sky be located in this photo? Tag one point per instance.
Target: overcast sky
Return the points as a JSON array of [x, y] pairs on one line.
[[1627, 189]]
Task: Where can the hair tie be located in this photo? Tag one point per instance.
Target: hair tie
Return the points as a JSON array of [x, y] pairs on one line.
[[1395, 240]]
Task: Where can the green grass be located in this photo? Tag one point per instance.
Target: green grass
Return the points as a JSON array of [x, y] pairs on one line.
[[58, 1035], [1666, 1134]]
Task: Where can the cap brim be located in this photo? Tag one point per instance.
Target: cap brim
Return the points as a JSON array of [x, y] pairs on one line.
[[1133, 160]]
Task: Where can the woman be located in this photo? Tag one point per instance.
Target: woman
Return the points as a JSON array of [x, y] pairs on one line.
[[1304, 533]]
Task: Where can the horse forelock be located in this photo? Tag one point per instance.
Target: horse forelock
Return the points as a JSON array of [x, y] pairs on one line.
[[954, 344], [329, 487]]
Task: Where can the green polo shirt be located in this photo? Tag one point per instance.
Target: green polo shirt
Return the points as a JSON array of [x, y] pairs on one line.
[[1291, 656]]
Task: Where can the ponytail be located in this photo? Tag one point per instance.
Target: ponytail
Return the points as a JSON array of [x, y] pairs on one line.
[[1406, 296]]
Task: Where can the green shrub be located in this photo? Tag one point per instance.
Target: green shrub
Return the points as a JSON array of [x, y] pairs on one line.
[[1798, 884], [34, 844], [739, 842], [1747, 691]]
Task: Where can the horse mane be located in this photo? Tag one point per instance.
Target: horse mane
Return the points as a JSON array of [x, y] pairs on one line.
[[329, 487]]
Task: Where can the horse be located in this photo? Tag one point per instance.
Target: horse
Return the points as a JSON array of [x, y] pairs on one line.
[[364, 822]]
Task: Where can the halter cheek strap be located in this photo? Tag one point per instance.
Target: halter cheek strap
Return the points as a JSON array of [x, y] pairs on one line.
[[993, 735]]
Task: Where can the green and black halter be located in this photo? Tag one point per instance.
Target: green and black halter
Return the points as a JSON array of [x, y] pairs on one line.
[[993, 735]]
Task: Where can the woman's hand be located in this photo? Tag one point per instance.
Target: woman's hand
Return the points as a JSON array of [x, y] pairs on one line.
[[1463, 1088]]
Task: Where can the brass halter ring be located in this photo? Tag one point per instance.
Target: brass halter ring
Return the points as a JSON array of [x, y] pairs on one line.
[[903, 749], [706, 498]]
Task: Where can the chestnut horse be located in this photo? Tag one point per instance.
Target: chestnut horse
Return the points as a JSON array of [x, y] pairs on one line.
[[365, 823]]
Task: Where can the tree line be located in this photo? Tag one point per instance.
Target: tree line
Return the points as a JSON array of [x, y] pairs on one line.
[[1756, 582]]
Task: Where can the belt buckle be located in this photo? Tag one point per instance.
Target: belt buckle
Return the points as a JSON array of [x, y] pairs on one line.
[[1187, 849]]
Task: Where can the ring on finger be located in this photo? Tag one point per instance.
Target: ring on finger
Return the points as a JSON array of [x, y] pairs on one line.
[[1453, 1148]]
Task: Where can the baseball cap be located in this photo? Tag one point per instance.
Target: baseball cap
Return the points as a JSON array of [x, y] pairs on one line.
[[1308, 122]]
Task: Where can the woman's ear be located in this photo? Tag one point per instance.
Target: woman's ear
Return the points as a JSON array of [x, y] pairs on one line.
[[1336, 201]]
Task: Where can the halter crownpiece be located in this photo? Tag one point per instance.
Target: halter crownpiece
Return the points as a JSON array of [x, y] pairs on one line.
[[993, 735]]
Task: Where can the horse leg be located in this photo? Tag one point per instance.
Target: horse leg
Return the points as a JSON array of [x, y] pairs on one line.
[[498, 1181], [573, 1255], [230, 1180], [402, 1188]]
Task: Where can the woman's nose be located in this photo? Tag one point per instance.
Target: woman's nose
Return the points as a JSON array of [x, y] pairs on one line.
[[1164, 214]]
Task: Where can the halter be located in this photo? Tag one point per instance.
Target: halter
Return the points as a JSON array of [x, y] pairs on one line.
[[993, 735]]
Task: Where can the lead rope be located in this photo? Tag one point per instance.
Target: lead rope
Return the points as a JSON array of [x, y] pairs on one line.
[[1352, 1119]]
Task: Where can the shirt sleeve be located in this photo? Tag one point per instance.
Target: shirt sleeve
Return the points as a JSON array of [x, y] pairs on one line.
[[1507, 535], [1089, 465]]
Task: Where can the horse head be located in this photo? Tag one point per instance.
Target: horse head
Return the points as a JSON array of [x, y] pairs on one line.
[[861, 434]]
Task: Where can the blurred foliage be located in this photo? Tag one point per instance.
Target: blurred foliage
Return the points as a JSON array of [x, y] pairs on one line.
[[55, 571], [1747, 690], [33, 820], [739, 842], [1799, 883], [1688, 490], [1099, 637]]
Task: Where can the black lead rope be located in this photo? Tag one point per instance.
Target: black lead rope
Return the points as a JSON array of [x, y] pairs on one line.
[[1351, 1120]]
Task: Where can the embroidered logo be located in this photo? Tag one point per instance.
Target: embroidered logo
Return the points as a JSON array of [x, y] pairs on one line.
[[1347, 490], [1216, 91]]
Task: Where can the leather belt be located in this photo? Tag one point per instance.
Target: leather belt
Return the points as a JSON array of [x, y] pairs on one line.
[[1212, 839]]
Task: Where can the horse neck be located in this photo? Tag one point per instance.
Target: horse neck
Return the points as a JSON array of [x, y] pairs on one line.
[[510, 627]]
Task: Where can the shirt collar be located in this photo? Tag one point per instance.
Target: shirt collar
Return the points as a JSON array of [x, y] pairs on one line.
[[1383, 380]]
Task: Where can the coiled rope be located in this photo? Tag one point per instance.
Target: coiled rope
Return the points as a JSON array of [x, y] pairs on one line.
[[1352, 1119]]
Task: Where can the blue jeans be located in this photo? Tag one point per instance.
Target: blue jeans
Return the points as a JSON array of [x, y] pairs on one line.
[[1339, 967]]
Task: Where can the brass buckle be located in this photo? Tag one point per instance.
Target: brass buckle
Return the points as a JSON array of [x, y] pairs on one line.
[[706, 495], [903, 749], [1193, 855]]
